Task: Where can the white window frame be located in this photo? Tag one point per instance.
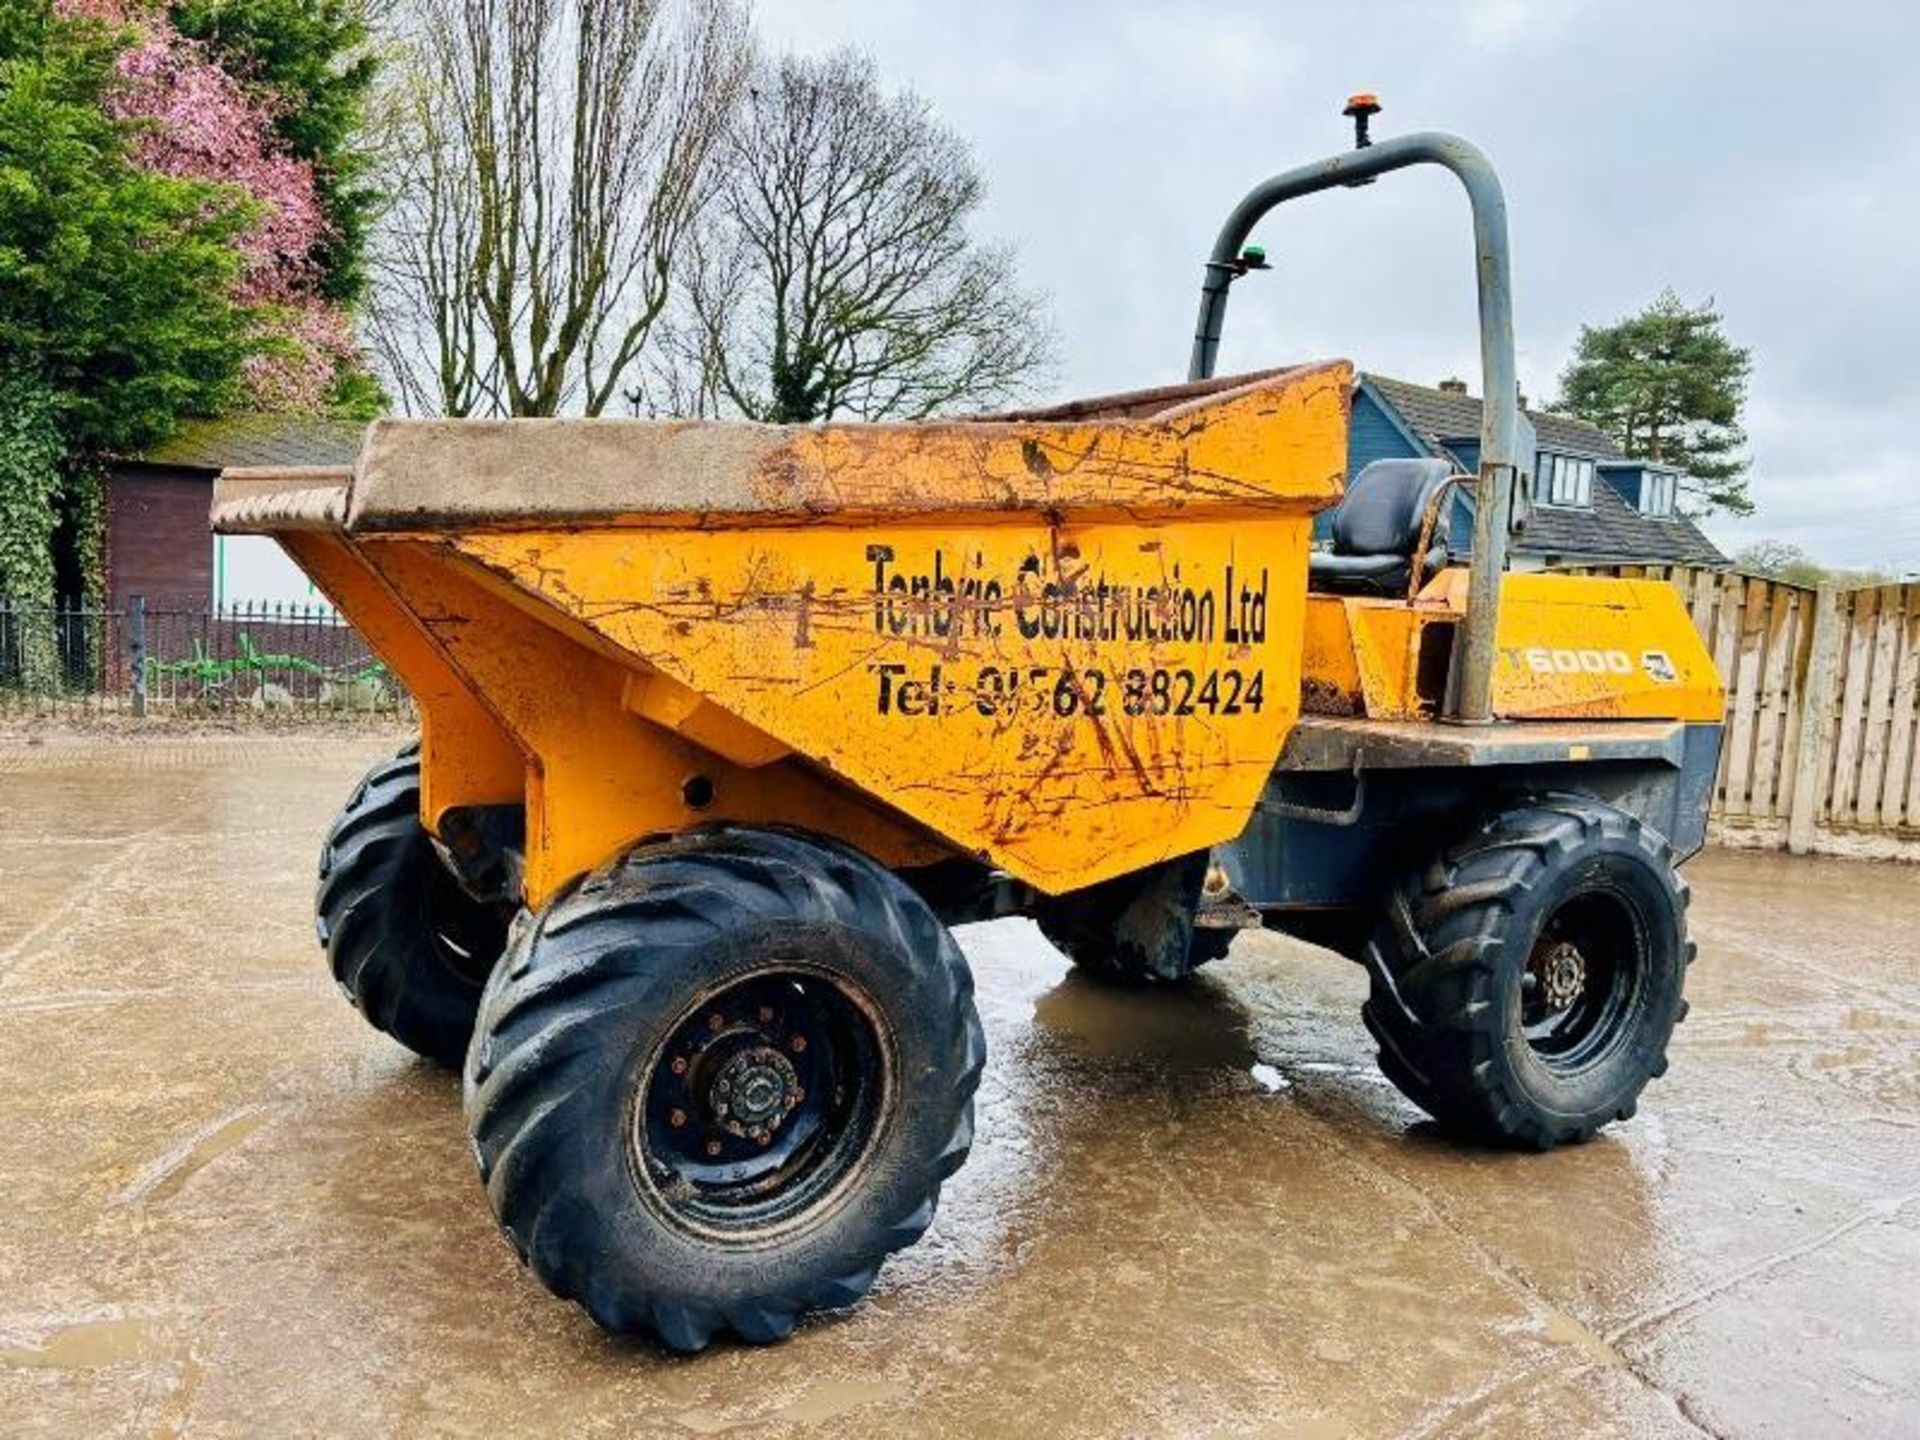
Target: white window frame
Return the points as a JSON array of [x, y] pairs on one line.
[[1566, 481], [1659, 494]]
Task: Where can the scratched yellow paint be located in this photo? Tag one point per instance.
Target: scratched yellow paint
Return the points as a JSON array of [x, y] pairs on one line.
[[1569, 647], [1068, 647], [1071, 701], [1583, 646], [468, 757], [599, 778], [1360, 656], [1281, 441]]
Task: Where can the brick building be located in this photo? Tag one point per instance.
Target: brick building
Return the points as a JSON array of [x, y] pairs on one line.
[[158, 544]]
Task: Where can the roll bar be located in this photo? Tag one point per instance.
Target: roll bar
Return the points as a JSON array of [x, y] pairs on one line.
[[1469, 698]]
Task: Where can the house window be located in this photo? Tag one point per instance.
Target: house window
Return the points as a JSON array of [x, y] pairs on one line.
[[1659, 492], [1566, 479]]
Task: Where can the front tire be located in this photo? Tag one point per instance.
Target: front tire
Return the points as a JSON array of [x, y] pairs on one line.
[[1525, 984], [717, 1084], [406, 944]]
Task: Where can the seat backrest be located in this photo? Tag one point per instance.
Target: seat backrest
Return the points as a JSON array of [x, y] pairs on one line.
[[1384, 506]]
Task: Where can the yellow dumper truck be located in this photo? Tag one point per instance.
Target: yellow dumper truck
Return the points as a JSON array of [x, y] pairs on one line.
[[724, 725]]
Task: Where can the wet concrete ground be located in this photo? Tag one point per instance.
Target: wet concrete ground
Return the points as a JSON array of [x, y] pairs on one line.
[[232, 1209]]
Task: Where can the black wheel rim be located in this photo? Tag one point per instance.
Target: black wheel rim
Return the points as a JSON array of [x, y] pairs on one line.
[[1583, 987], [762, 1105], [467, 936]]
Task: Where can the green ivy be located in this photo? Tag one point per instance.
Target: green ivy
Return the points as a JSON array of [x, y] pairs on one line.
[[31, 461], [84, 527], [31, 454]]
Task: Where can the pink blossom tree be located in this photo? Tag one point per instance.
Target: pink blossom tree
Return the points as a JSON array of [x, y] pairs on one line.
[[199, 122]]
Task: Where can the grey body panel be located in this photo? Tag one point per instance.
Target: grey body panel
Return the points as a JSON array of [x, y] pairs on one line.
[[1333, 835]]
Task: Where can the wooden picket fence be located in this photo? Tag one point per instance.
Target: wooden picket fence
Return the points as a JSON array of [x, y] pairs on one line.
[[1822, 749]]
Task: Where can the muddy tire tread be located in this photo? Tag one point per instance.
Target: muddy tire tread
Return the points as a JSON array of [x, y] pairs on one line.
[[371, 920], [1090, 929], [1434, 963], [583, 960]]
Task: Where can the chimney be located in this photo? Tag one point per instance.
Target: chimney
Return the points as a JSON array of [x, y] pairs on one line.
[[1453, 386]]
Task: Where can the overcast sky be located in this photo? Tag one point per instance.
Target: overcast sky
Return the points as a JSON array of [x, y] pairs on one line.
[[1764, 154]]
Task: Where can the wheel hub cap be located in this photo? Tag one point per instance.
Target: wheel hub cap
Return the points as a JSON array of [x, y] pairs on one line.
[[753, 1092], [1563, 975]]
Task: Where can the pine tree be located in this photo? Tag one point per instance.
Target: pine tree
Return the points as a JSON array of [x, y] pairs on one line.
[[1669, 386]]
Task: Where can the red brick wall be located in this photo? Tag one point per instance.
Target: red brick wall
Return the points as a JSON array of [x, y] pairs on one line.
[[158, 542]]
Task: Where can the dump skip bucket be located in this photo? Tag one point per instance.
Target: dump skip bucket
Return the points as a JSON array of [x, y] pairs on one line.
[[1066, 643]]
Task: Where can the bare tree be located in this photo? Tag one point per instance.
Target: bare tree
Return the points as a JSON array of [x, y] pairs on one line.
[[546, 161], [834, 275]]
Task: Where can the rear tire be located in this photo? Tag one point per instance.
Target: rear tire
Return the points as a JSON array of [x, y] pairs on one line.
[[1136, 929], [1525, 985], [406, 944], [719, 1083]]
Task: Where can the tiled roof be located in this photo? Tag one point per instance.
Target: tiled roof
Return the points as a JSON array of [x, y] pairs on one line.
[[245, 442], [1437, 416], [1611, 529]]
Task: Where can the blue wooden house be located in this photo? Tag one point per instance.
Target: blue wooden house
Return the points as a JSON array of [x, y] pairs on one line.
[[1592, 504]]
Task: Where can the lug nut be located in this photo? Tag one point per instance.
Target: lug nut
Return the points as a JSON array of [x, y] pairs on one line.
[[676, 1118], [725, 1087]]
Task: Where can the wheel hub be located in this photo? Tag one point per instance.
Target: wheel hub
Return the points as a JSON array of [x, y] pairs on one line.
[[754, 1092], [760, 1101], [1563, 976]]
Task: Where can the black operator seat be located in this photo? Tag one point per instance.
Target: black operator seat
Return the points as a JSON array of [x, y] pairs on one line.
[[1376, 527]]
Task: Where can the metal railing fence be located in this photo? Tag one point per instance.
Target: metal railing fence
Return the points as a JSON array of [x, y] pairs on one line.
[[156, 658]]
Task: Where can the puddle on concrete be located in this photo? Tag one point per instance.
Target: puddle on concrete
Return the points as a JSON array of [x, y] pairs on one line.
[[1195, 1026], [88, 1345], [1562, 1329], [168, 1175]]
